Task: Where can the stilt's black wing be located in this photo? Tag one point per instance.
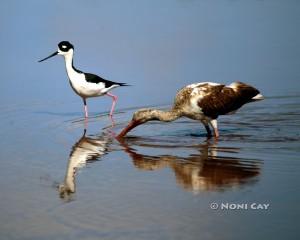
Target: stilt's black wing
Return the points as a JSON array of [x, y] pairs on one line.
[[92, 78]]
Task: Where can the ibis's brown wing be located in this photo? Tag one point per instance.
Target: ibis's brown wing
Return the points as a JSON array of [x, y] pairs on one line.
[[222, 100]]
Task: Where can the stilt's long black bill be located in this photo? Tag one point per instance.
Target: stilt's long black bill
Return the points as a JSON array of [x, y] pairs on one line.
[[52, 55]]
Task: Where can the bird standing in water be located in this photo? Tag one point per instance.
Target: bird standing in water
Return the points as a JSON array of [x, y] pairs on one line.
[[203, 101], [86, 85]]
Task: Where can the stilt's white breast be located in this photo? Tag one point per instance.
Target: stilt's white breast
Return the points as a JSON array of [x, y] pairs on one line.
[[84, 88], [79, 84]]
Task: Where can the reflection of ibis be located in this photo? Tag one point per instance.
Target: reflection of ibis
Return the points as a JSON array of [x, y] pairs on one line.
[[209, 170], [86, 149], [200, 101]]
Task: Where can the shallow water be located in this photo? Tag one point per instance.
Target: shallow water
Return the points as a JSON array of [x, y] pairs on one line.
[[59, 181]]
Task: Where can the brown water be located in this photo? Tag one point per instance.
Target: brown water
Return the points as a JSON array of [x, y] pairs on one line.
[[59, 182]]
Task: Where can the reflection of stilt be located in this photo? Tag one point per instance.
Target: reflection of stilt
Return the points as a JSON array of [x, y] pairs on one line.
[[86, 123], [86, 149], [205, 171]]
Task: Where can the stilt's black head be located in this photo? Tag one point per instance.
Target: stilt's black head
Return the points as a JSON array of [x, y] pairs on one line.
[[65, 46]]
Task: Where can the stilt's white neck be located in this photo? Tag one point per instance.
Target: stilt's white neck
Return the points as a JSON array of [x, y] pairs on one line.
[[69, 63]]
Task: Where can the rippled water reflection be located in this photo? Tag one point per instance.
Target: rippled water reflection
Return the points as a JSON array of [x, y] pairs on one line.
[[85, 150], [208, 169], [64, 178]]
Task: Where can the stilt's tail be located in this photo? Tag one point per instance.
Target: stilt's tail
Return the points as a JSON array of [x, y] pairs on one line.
[[124, 84]]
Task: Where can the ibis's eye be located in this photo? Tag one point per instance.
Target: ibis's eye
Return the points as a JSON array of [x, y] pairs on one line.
[[64, 46]]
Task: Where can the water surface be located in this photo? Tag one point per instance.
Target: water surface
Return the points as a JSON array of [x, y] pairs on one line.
[[64, 179], [61, 181]]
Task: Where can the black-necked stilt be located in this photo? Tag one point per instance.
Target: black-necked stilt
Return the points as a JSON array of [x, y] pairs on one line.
[[200, 101], [86, 85]]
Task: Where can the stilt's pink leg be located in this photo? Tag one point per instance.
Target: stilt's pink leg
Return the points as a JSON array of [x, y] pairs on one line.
[[85, 109], [115, 98]]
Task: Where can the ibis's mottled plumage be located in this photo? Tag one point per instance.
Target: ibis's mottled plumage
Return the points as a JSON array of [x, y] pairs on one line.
[[203, 101]]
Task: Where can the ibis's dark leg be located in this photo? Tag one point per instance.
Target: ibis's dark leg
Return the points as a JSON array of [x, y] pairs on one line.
[[214, 125], [207, 128]]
